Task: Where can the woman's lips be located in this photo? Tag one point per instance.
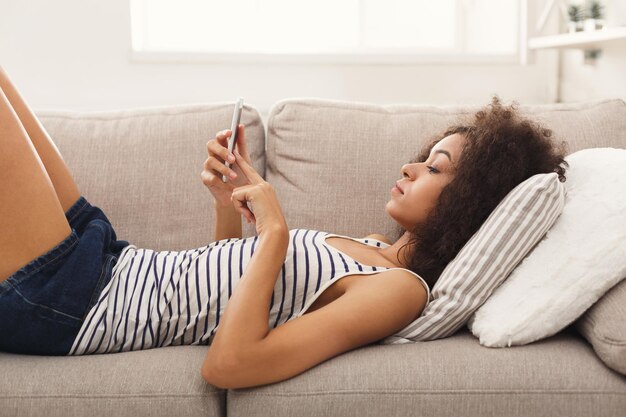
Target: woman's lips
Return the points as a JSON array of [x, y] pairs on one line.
[[399, 187]]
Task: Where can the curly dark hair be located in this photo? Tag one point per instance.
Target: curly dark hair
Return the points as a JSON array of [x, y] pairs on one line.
[[501, 150]]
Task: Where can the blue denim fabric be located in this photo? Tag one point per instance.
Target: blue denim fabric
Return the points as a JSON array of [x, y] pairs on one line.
[[43, 305]]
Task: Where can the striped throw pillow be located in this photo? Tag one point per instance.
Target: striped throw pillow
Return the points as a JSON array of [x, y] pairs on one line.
[[514, 227]]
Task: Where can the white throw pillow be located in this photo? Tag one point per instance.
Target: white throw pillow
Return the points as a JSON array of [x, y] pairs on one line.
[[581, 257]]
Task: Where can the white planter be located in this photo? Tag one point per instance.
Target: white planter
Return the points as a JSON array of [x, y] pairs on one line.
[[572, 27], [590, 24], [600, 24]]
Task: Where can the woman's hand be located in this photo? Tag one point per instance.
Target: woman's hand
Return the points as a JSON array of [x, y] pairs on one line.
[[265, 212], [215, 167]]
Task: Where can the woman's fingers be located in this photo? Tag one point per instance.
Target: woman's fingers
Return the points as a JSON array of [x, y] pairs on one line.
[[216, 166], [222, 149], [242, 146], [248, 170], [240, 202], [210, 179], [218, 154]]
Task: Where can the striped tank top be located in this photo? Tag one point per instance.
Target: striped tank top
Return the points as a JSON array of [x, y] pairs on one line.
[[164, 298]]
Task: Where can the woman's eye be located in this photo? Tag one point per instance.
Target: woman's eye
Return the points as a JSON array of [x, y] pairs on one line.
[[432, 169]]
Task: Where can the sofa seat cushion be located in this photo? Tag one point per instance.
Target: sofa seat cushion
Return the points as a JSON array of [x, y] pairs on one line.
[[156, 382], [455, 376]]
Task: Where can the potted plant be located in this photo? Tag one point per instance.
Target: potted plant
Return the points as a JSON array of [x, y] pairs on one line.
[[594, 20], [575, 15]]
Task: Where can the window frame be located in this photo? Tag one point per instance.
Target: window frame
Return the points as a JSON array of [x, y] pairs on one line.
[[372, 56]]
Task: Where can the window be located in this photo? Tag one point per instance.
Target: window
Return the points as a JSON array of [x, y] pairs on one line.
[[370, 30]]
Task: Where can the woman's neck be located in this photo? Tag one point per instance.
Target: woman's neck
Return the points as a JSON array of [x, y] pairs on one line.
[[391, 253]]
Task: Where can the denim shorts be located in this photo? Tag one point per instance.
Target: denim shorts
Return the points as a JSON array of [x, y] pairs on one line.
[[44, 304]]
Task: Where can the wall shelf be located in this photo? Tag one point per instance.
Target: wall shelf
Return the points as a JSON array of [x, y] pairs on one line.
[[581, 40]]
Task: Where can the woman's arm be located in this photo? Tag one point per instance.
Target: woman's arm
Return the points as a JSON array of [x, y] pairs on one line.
[[227, 222], [362, 315], [245, 321]]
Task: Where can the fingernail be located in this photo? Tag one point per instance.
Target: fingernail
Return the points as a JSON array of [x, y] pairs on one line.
[[231, 158], [233, 175]]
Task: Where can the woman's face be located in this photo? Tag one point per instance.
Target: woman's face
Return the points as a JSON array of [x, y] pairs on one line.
[[422, 182]]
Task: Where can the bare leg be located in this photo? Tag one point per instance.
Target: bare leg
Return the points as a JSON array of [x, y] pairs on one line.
[[64, 185], [32, 220]]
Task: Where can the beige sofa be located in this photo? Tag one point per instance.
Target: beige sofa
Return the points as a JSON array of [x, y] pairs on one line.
[[332, 164]]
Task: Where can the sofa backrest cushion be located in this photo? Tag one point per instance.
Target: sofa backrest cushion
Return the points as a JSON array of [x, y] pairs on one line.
[[142, 167], [333, 163]]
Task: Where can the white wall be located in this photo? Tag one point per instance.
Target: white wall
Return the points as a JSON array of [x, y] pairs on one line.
[[75, 54], [604, 77]]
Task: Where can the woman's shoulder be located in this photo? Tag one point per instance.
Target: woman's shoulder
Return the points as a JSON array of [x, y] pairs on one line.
[[415, 292]]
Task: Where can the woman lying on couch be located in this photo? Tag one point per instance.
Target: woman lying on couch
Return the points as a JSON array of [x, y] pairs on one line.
[[68, 286]]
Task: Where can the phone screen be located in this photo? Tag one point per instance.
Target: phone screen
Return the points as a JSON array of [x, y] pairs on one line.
[[232, 140]]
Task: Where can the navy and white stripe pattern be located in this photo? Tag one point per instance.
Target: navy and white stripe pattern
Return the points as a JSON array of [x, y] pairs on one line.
[[157, 299]]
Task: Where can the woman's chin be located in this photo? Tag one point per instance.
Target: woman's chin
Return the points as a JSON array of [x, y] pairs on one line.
[[390, 210]]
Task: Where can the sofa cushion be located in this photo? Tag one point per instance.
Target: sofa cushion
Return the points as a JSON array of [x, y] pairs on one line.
[[603, 325], [142, 167], [156, 382], [334, 162], [455, 376], [582, 256]]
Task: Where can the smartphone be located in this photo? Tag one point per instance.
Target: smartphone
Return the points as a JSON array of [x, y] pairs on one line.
[[232, 140]]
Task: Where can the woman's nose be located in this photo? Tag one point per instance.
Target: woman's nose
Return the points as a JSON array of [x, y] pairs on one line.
[[406, 170]]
